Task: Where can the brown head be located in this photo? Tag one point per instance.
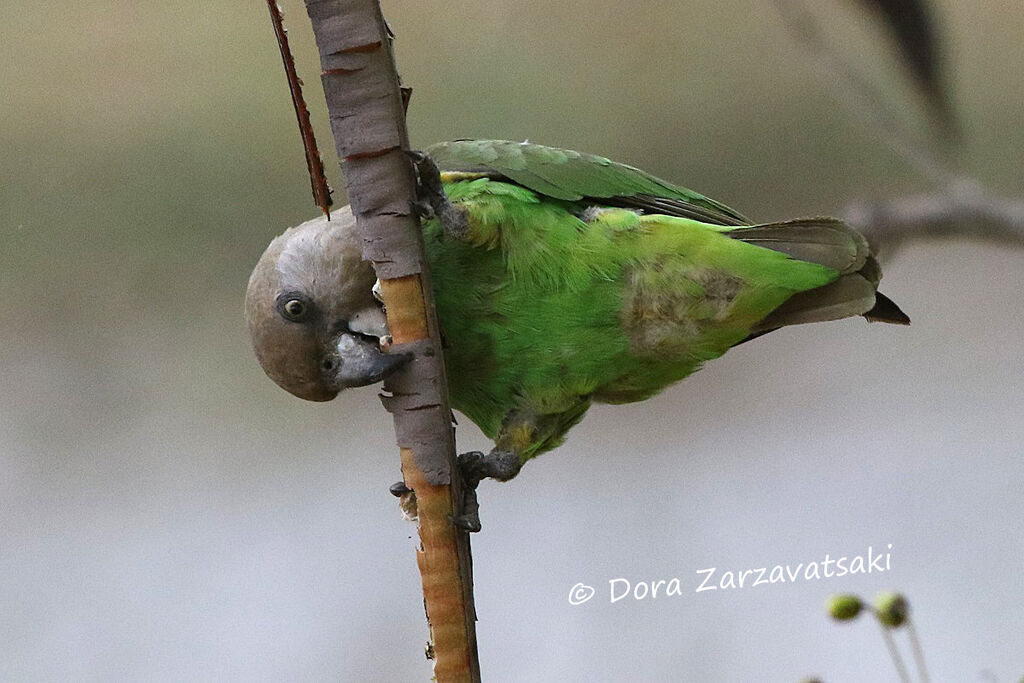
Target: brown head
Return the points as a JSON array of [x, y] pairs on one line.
[[315, 324]]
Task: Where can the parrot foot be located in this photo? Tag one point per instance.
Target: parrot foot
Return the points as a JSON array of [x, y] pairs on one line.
[[432, 201], [475, 466]]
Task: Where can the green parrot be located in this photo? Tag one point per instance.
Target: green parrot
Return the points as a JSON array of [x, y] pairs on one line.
[[561, 279]]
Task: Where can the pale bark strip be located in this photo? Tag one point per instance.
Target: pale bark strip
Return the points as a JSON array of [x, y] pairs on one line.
[[368, 121]]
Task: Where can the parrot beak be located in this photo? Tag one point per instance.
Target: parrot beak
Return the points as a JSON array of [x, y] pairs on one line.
[[361, 362], [370, 321]]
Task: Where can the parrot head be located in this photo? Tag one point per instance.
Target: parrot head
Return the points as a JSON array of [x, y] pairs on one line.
[[315, 324]]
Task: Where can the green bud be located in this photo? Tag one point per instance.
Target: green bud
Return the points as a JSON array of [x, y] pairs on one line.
[[892, 609], [843, 607]]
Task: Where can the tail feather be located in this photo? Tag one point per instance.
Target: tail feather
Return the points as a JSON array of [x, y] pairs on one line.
[[832, 243], [885, 310], [825, 241], [846, 297]]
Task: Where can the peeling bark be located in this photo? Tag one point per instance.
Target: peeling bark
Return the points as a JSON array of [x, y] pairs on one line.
[[368, 121]]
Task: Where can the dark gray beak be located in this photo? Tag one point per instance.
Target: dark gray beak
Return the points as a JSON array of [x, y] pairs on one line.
[[361, 362]]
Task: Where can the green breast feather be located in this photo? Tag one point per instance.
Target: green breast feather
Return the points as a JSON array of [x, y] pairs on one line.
[[584, 280]]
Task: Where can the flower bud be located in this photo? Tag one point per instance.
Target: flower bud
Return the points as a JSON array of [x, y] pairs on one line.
[[843, 607], [892, 609]]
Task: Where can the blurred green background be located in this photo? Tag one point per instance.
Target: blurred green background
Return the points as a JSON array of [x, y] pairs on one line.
[[167, 513]]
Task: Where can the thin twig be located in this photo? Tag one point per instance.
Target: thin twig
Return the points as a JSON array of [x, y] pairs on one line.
[[368, 121], [314, 164], [860, 95]]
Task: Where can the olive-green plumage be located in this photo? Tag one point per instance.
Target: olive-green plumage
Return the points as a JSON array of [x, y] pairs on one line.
[[566, 289]]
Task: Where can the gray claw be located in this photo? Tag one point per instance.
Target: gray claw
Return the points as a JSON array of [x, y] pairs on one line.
[[468, 523], [423, 209], [432, 196]]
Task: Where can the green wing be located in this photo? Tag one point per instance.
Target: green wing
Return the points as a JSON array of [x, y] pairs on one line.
[[575, 176]]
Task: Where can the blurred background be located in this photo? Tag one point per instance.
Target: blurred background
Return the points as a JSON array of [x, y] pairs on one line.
[[167, 513]]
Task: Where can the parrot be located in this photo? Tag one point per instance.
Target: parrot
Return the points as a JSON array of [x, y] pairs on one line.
[[561, 279]]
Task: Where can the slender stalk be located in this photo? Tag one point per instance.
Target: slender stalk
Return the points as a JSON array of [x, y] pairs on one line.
[[368, 121], [897, 659], [915, 646]]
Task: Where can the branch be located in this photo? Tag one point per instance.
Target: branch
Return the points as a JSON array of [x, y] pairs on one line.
[[961, 208], [963, 212], [368, 121]]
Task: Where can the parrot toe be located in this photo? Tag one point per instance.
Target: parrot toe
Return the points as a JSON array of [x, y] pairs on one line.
[[407, 500], [399, 489], [469, 520]]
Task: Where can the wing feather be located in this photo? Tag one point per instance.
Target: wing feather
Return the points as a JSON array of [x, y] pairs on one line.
[[575, 176]]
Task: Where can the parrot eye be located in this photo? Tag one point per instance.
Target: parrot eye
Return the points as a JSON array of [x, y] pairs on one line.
[[293, 307]]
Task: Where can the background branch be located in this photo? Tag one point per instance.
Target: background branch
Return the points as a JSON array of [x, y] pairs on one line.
[[368, 121], [959, 208], [964, 212]]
